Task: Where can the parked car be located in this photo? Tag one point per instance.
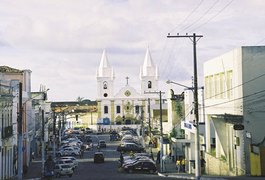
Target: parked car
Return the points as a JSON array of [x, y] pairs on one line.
[[98, 157], [102, 144], [114, 136], [142, 165], [127, 147], [66, 162], [63, 170], [71, 158], [68, 152], [88, 131]]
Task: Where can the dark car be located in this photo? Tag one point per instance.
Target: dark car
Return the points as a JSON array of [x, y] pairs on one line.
[[98, 157], [128, 147], [114, 136], [141, 166], [102, 144]]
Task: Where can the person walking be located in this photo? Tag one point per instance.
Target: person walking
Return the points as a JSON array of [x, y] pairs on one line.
[[203, 162], [121, 159], [178, 165], [48, 168]]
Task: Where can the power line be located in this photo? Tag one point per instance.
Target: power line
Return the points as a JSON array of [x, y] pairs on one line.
[[198, 19], [191, 13], [237, 86], [235, 99], [213, 16]]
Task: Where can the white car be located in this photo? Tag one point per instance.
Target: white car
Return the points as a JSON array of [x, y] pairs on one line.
[[63, 170], [71, 158], [66, 162], [68, 152]]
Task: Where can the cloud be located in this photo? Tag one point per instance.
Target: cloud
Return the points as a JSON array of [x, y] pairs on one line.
[[62, 41]]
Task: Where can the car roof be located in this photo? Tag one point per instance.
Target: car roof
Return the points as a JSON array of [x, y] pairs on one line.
[[98, 153]]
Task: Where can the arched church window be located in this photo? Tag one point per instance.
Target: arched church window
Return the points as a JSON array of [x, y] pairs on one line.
[[105, 85], [149, 84]]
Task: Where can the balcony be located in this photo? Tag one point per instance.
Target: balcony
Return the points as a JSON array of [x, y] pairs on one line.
[[7, 132]]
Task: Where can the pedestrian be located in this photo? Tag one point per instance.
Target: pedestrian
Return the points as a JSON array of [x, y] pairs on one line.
[[158, 157], [49, 167], [203, 162], [182, 165], [121, 159], [178, 165], [152, 156]]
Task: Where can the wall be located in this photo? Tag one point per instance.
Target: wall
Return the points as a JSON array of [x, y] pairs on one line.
[[253, 89], [215, 166]]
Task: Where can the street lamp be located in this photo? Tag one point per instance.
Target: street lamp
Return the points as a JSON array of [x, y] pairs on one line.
[[196, 124]]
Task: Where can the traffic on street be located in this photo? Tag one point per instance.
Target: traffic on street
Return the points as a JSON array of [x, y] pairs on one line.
[[93, 155]]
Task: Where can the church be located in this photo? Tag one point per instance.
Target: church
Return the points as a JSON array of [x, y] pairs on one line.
[[126, 106]]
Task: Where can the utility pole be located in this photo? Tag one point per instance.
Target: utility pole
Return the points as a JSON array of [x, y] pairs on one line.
[[194, 40], [54, 133], [149, 119], [161, 127], [20, 119], [42, 142], [142, 120]]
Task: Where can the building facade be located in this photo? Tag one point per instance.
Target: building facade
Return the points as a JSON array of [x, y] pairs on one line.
[[234, 91], [11, 78], [127, 105]]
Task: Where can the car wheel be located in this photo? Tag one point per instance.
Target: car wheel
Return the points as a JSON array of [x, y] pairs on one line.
[[70, 175], [57, 175], [130, 171], [151, 171]]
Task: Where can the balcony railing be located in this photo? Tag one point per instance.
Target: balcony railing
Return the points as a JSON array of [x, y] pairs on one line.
[[7, 132]]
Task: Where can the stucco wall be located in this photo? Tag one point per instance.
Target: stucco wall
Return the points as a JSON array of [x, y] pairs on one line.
[[216, 166]]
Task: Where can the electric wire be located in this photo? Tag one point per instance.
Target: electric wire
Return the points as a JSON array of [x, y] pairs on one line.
[[201, 17], [246, 96], [236, 86], [189, 15], [230, 2]]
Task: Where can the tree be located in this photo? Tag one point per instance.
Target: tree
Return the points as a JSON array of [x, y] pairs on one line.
[[80, 99]]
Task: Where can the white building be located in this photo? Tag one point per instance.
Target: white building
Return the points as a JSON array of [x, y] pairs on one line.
[[127, 104], [234, 95]]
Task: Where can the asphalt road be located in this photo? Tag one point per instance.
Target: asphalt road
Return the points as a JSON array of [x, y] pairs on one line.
[[88, 170]]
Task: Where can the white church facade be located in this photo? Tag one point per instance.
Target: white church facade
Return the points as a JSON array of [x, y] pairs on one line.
[[127, 105]]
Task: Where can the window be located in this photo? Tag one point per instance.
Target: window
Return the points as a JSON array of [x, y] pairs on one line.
[[106, 109], [118, 109], [149, 84], [137, 109], [229, 84], [105, 85]]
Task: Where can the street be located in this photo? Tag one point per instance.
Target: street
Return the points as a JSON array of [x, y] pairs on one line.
[[87, 169]]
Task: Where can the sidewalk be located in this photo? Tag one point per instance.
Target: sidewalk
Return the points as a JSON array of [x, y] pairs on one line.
[[34, 171]]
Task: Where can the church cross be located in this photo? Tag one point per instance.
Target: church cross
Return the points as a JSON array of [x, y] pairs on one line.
[[127, 80]]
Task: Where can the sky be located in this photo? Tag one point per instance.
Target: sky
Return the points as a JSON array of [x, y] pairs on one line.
[[61, 41]]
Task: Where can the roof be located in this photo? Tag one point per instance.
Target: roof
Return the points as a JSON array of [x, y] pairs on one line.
[[7, 69]]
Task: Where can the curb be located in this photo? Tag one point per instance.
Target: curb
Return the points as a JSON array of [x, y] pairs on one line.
[[175, 176]]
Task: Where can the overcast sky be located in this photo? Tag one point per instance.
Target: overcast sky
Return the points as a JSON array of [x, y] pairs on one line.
[[61, 41]]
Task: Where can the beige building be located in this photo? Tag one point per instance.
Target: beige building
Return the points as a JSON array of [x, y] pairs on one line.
[[9, 81]]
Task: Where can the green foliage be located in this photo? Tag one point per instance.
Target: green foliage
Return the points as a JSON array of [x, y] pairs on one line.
[[213, 152], [179, 109], [223, 158], [173, 133]]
